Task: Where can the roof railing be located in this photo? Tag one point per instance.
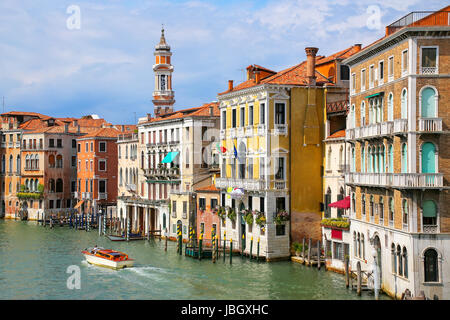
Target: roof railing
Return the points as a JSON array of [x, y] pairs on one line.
[[420, 18]]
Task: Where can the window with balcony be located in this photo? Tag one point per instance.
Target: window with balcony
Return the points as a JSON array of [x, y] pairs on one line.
[[102, 186], [429, 216], [391, 68], [404, 158], [242, 117], [371, 76], [390, 107], [262, 113], [279, 168], [233, 118], [404, 104], [250, 168], [380, 72], [250, 115], [262, 162], [280, 109], [429, 60], [102, 165], [428, 103], [353, 83], [363, 79], [363, 114], [224, 119], [404, 62], [428, 156]]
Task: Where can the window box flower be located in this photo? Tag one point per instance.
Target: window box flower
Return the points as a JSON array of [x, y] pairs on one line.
[[336, 223], [281, 217]]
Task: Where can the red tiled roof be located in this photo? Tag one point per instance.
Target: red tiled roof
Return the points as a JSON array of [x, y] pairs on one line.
[[103, 133], [24, 113], [202, 111], [211, 188], [344, 54], [337, 134]]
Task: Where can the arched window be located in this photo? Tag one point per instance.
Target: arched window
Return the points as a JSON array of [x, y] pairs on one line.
[[405, 262], [11, 167], [431, 265], [381, 208], [391, 209], [59, 161], [393, 259], [428, 158], [327, 202], [353, 160], [51, 161], [405, 211], [59, 185], [404, 158], [32, 163], [18, 164], [400, 261], [429, 214], [363, 159], [382, 160], [371, 206], [370, 155], [51, 185], [363, 114], [391, 107], [363, 205], [37, 161], [404, 106], [352, 117], [27, 184], [391, 159], [126, 175], [142, 159], [363, 247], [27, 161], [359, 245], [428, 99], [355, 251]]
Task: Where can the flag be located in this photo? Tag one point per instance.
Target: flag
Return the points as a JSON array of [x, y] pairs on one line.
[[221, 148], [235, 152]]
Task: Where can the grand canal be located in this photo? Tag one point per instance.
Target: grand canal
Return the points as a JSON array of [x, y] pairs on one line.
[[34, 262]]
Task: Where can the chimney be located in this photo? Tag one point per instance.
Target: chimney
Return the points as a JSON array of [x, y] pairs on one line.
[[358, 46], [230, 85], [257, 77], [311, 65]]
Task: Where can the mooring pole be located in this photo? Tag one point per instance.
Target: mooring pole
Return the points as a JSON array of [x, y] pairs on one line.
[[231, 250], [318, 254], [309, 252], [347, 273], [181, 243], [128, 229], [178, 239], [243, 243], [251, 247], [224, 244], [358, 279], [213, 253], [200, 243], [165, 246], [303, 250], [257, 250]]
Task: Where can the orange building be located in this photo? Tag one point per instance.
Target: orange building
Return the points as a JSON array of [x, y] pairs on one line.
[[208, 222], [97, 170]]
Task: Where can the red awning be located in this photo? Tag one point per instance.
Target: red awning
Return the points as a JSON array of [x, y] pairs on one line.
[[341, 204]]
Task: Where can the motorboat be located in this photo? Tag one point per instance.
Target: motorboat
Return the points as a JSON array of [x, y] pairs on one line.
[[107, 258]]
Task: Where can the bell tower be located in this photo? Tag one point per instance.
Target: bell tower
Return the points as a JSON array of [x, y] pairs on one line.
[[163, 95]]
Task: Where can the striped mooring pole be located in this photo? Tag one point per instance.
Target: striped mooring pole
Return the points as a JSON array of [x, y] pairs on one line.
[[231, 250], [180, 239], [224, 244], [251, 247], [104, 224], [257, 251], [128, 229], [200, 243], [243, 244]]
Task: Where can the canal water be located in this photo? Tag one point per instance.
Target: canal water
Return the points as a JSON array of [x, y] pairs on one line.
[[34, 262]]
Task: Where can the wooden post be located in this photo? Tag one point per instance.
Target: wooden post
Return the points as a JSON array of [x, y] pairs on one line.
[[243, 243], [309, 252], [325, 253], [178, 242], [257, 251], [224, 244], [359, 279], [251, 247], [160, 232], [347, 273], [318, 254], [303, 250], [231, 250], [165, 246], [213, 249], [200, 243]]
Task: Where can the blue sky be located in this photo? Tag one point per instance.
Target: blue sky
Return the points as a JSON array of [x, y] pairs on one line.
[[105, 67]]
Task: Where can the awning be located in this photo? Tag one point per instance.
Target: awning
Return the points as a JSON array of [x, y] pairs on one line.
[[375, 95], [341, 204], [170, 157], [78, 204]]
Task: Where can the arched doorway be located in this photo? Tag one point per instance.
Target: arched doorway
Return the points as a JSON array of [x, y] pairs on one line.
[[242, 207], [377, 245]]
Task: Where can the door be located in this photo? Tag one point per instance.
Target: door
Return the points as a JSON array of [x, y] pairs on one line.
[[377, 244], [428, 103], [428, 161]]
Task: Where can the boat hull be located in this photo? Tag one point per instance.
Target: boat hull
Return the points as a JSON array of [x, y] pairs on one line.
[[98, 261]]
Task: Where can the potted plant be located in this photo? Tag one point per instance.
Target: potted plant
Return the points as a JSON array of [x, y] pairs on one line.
[[248, 217], [231, 214], [261, 219], [281, 217], [297, 247]]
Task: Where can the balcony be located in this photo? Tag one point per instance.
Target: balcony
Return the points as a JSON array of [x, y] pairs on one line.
[[241, 132], [429, 70], [261, 129], [396, 180], [249, 131], [377, 129], [420, 18], [102, 196], [233, 133], [86, 196], [430, 124], [246, 184], [430, 228], [280, 129], [279, 185]]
